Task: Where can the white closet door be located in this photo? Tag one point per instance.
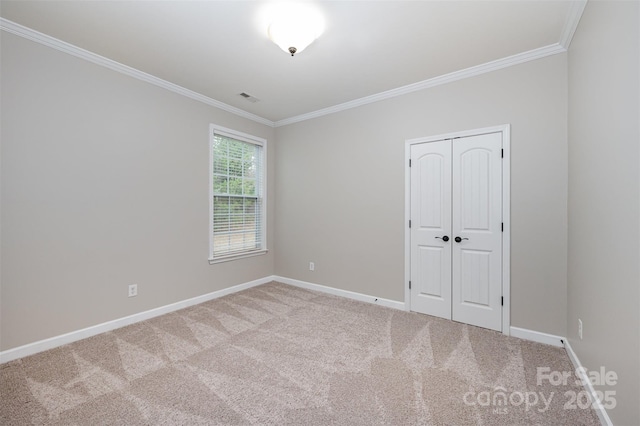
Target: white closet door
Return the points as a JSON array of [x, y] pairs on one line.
[[476, 232], [430, 227], [456, 229]]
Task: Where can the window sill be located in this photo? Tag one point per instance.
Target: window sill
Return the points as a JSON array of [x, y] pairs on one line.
[[236, 256]]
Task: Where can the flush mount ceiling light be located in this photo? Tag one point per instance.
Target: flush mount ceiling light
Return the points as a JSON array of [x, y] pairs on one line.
[[294, 26]]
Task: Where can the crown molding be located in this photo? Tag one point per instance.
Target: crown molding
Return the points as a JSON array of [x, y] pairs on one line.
[[571, 24], [573, 18], [54, 43], [509, 61]]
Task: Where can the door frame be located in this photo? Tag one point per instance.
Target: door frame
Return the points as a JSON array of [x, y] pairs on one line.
[[505, 129]]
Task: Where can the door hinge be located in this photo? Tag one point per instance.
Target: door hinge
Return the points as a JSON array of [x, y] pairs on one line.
[[409, 285], [502, 301], [409, 162], [409, 224], [502, 153], [502, 226]]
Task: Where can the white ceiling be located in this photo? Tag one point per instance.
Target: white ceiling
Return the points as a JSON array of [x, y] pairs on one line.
[[220, 48]]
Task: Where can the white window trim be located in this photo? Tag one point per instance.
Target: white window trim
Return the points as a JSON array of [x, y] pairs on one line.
[[245, 137]]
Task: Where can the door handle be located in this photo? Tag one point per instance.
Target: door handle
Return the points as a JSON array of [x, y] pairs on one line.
[[445, 238], [458, 239]]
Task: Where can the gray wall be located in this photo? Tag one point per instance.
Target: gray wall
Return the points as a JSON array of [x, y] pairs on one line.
[[604, 189], [340, 183], [104, 184]]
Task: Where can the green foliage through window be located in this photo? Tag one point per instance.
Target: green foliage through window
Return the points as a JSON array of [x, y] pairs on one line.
[[237, 196]]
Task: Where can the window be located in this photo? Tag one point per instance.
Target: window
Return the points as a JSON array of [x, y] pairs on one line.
[[237, 195]]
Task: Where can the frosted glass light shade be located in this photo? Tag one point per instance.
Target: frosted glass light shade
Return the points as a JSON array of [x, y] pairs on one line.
[[295, 28]]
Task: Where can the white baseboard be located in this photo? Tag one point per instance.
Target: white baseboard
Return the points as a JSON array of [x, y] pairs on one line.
[[560, 341], [74, 336], [342, 293], [536, 336], [600, 410], [54, 342]]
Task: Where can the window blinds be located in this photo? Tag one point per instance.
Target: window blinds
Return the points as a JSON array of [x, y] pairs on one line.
[[238, 190]]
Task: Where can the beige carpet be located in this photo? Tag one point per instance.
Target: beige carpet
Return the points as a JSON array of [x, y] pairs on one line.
[[280, 355]]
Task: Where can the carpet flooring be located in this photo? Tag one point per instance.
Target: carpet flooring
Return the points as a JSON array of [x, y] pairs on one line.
[[280, 355]]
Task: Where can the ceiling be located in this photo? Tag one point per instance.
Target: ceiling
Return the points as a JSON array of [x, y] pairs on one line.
[[220, 48]]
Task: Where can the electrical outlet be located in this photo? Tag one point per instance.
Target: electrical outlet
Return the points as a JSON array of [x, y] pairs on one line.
[[312, 266], [580, 328], [133, 290]]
